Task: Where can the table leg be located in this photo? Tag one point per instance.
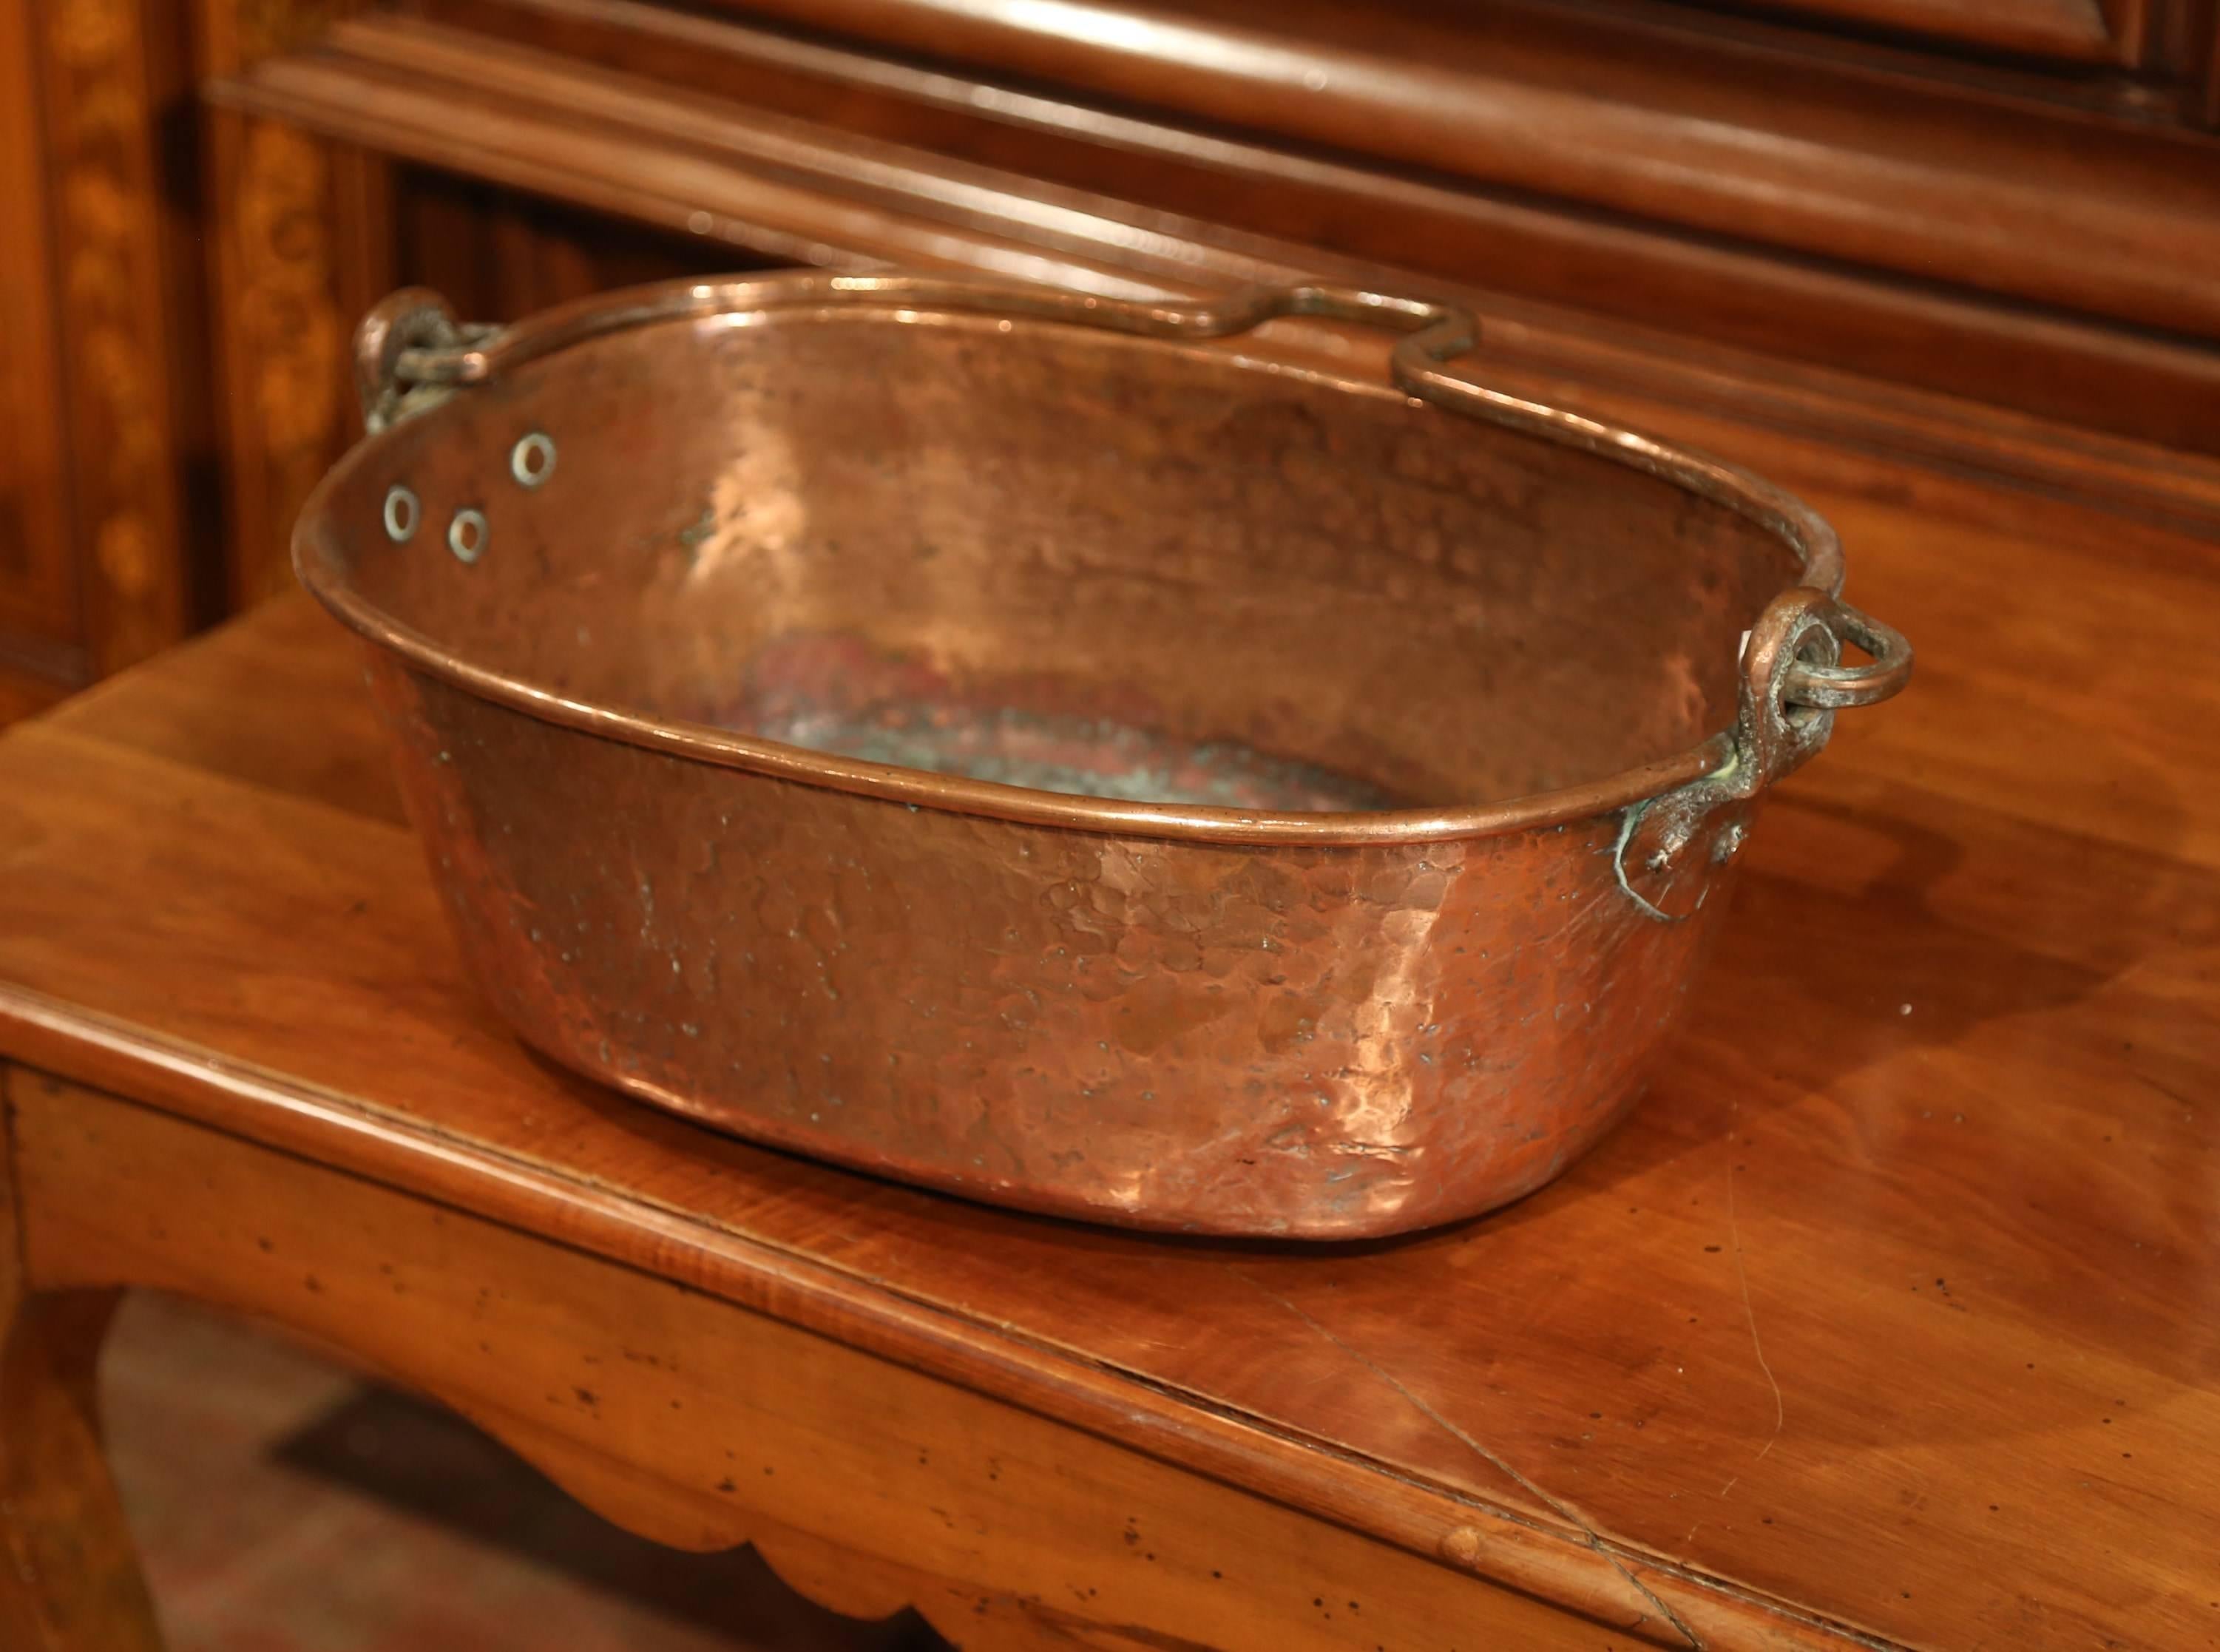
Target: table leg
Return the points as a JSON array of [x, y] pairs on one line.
[[71, 1580], [69, 1576]]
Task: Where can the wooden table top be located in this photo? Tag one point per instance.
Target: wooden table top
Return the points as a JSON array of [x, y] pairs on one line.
[[1894, 1309]]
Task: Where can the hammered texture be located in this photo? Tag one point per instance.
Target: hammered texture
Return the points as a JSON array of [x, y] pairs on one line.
[[1321, 1042], [1021, 544]]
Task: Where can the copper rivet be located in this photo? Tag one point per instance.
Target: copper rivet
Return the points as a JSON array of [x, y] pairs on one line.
[[531, 461], [402, 515], [467, 535]]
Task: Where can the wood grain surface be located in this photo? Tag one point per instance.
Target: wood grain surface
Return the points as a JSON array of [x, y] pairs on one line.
[[1643, 120], [703, 1424], [1891, 1314]]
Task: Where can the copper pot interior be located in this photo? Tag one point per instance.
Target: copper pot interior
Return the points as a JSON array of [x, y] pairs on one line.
[[1039, 554]]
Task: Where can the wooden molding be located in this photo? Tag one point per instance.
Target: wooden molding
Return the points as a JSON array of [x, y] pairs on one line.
[[2076, 370], [1894, 175], [784, 187]]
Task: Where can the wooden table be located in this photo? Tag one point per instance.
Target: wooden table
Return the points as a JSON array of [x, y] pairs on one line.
[[1893, 1317]]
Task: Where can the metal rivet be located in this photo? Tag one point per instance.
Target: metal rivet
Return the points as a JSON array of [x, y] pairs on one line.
[[531, 461], [402, 515], [467, 535]]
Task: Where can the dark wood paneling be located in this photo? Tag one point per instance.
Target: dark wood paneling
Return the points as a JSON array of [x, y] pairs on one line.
[[37, 568], [2101, 31], [109, 73], [97, 336], [2208, 48], [23, 693], [497, 255]]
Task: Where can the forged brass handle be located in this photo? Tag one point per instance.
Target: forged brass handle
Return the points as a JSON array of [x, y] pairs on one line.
[[402, 328], [1839, 688], [1792, 683]]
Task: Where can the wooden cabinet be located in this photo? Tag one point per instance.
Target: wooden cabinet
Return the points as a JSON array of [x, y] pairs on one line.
[[2159, 35], [1992, 261], [38, 609], [1977, 233]]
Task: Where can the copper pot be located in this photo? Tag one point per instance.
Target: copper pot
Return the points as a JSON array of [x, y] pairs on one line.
[[997, 739]]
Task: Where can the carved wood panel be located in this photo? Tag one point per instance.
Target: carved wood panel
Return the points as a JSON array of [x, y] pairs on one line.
[[281, 329], [298, 245], [107, 68]]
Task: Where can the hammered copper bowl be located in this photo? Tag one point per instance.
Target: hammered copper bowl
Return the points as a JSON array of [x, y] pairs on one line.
[[1420, 725]]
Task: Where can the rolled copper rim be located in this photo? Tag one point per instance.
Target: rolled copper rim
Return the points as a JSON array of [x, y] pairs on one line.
[[1441, 333]]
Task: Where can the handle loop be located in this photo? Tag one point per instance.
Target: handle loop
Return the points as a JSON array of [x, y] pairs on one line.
[[391, 340], [1842, 687]]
